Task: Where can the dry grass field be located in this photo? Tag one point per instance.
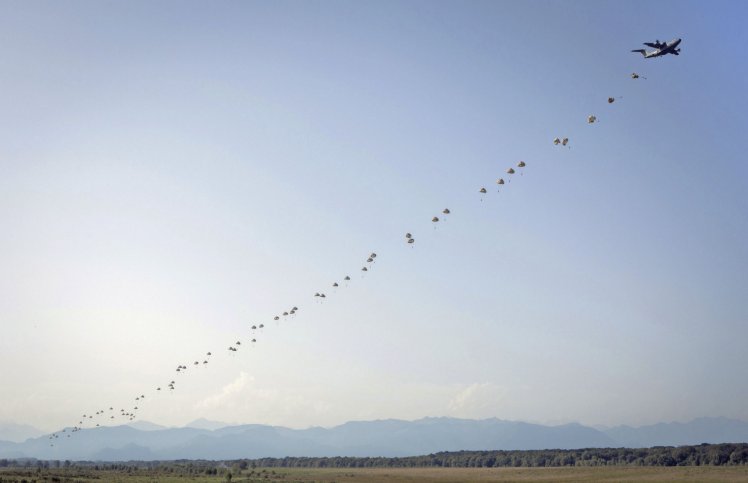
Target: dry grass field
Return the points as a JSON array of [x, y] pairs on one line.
[[372, 475], [570, 474]]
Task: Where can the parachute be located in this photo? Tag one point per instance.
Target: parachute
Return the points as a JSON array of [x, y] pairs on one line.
[[446, 211], [364, 269], [611, 100], [510, 171], [408, 236], [521, 164], [347, 278], [565, 141], [276, 318], [435, 219], [591, 119], [500, 181], [411, 240], [556, 141], [335, 284], [483, 190]]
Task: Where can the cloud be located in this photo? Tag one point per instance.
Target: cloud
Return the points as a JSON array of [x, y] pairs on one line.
[[243, 399], [228, 393], [252, 398], [478, 400]]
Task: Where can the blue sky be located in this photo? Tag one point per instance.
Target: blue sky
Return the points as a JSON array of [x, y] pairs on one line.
[[173, 172]]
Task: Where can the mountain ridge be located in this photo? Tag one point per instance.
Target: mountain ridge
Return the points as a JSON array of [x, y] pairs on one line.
[[17, 433], [388, 437]]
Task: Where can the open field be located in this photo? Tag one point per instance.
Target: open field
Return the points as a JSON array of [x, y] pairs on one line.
[[371, 475], [618, 474]]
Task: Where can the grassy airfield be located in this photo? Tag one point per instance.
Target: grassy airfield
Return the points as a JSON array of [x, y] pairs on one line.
[[370, 475]]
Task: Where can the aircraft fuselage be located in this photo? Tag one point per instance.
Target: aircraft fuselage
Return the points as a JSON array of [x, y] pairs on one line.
[[669, 48]]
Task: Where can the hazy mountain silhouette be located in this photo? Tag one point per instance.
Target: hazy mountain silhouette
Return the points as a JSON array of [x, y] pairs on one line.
[[701, 430], [18, 432], [203, 423], [146, 426], [361, 438]]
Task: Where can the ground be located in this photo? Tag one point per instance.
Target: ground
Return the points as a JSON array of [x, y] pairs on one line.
[[370, 475]]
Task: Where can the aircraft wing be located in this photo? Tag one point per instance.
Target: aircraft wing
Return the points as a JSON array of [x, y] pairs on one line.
[[654, 45]]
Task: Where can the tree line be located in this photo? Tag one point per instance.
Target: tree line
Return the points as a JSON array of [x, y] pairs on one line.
[[701, 455], [697, 455]]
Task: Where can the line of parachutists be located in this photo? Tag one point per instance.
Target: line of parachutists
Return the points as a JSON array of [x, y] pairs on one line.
[[129, 412]]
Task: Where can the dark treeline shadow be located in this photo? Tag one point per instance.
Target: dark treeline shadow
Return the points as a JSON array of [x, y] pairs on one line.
[[728, 454]]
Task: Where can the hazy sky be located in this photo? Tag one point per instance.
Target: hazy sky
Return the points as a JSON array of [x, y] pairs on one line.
[[174, 172]]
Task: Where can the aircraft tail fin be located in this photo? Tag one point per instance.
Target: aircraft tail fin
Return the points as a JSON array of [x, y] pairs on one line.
[[643, 52]]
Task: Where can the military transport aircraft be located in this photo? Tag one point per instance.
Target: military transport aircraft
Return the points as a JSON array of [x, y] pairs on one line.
[[661, 48]]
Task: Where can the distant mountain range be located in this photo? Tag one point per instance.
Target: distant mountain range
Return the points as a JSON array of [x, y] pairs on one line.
[[18, 432], [148, 441], [203, 423]]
